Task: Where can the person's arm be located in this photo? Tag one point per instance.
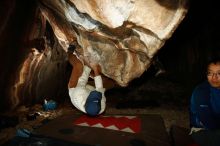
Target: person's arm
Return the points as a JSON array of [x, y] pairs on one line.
[[99, 88], [97, 78], [208, 118], [71, 56], [194, 119], [76, 70], [202, 115], [99, 85], [83, 79]]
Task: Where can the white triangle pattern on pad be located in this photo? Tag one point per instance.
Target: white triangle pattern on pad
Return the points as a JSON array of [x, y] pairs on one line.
[[128, 130], [83, 124], [112, 127], [98, 125]]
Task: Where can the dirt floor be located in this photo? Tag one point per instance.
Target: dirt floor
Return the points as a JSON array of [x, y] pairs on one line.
[[157, 95], [177, 115]]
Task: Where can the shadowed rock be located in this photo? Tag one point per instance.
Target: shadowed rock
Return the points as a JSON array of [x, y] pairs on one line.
[[121, 35]]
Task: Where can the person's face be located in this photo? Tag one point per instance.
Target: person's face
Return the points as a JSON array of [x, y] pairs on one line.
[[213, 75]]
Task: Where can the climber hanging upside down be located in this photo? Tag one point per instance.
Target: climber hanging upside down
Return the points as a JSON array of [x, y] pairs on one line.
[[86, 98]]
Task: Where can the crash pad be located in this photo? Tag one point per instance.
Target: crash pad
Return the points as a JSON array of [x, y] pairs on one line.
[[180, 136], [149, 131]]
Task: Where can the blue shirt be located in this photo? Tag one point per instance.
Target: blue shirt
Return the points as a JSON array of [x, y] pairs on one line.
[[205, 107]]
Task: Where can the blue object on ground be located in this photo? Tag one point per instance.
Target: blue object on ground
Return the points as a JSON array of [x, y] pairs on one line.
[[23, 133], [49, 105]]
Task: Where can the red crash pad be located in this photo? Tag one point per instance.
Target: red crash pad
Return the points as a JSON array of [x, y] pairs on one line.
[[148, 131]]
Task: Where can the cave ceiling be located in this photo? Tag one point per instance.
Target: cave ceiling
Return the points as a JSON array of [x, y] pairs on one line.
[[122, 36]]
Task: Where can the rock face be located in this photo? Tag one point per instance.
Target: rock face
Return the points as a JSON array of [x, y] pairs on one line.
[[121, 35]]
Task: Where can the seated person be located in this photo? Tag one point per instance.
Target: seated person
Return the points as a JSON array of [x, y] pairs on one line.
[[205, 100], [86, 98], [205, 108]]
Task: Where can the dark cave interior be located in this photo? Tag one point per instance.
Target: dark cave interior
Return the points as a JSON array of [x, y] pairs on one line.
[[183, 56]]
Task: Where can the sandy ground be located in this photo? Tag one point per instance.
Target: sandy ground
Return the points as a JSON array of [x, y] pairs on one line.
[[171, 115]]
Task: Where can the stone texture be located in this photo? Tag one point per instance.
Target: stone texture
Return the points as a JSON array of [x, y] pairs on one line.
[[121, 35]]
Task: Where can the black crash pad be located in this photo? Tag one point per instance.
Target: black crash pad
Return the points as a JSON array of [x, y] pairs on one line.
[[180, 136], [153, 132]]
